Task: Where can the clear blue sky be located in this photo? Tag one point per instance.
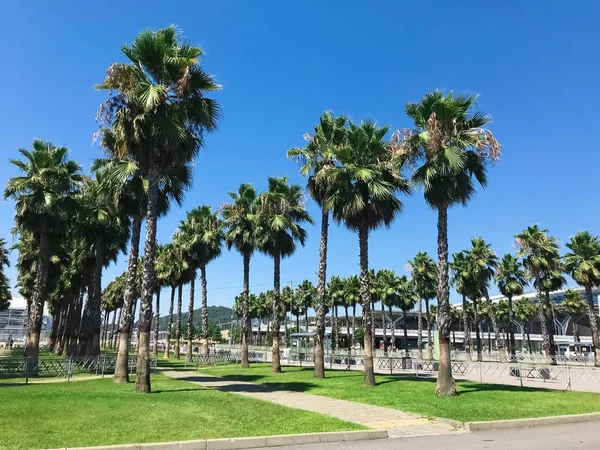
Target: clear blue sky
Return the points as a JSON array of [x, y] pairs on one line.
[[535, 65]]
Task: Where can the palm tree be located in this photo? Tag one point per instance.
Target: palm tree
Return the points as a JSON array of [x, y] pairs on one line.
[[315, 159], [126, 180], [407, 299], [42, 194], [461, 280], [240, 232], [542, 262], [335, 293], [366, 183], [574, 306], [424, 276], [483, 262], [164, 88], [161, 271], [525, 310], [305, 294], [454, 147], [583, 264], [511, 280], [5, 295], [351, 296], [202, 237], [281, 212], [385, 283], [390, 298], [174, 264]]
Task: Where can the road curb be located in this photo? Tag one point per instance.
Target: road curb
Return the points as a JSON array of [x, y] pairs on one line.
[[249, 442], [526, 423]]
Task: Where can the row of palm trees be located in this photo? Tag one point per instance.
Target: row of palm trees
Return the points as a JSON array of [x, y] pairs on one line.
[[474, 269]]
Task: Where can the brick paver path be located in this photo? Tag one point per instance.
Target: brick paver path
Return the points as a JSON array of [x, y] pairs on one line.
[[398, 423]]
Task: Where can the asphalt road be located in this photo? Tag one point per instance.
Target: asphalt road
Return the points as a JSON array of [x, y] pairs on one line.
[[583, 436]]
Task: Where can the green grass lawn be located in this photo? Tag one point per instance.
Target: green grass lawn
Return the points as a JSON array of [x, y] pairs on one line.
[[98, 412], [477, 401]]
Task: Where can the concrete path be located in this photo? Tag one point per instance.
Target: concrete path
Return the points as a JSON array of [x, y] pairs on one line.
[[398, 423], [34, 380], [580, 436]]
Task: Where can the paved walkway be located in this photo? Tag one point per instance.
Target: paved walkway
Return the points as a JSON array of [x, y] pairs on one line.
[[398, 423], [49, 380]]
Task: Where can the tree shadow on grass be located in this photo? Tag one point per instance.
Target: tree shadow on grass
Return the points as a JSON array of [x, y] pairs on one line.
[[248, 384]]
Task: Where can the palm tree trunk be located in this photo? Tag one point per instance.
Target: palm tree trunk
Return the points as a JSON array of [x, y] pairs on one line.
[[178, 326], [319, 352], [385, 347], [245, 317], [347, 328], [334, 331], [306, 319], [354, 322], [429, 330], [529, 337], [373, 322], [497, 335], [420, 329], [116, 333], [445, 382], [479, 329], [73, 327], [54, 328], [298, 322], [467, 327], [60, 343], [156, 323], [405, 332], [121, 374], [511, 329], [96, 314], [576, 337], [142, 376], [363, 240], [593, 324], [112, 330], [190, 324], [204, 310], [547, 330], [36, 314], [392, 331], [275, 363]]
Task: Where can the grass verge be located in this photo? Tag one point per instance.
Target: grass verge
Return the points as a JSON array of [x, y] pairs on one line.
[[477, 401], [98, 412]]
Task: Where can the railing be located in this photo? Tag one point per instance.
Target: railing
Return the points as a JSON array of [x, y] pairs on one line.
[[67, 367], [227, 357]]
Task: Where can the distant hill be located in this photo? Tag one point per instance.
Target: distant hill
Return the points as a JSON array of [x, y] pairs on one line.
[[216, 315]]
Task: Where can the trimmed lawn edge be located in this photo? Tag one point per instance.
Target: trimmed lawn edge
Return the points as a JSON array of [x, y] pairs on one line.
[[248, 442], [526, 423]]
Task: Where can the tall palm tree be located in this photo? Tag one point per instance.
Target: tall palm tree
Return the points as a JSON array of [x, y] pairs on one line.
[[202, 236], [305, 294], [366, 183], [542, 261], [453, 146], [424, 276], [161, 270], [461, 280], [351, 298], [582, 262], [175, 265], [5, 295], [239, 217], [407, 299], [525, 310], [574, 306], [511, 280], [126, 180], [164, 88], [335, 293], [315, 158], [42, 193], [483, 263], [390, 299], [281, 213]]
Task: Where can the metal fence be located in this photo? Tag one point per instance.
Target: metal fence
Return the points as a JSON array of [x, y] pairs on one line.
[[227, 357], [27, 368]]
